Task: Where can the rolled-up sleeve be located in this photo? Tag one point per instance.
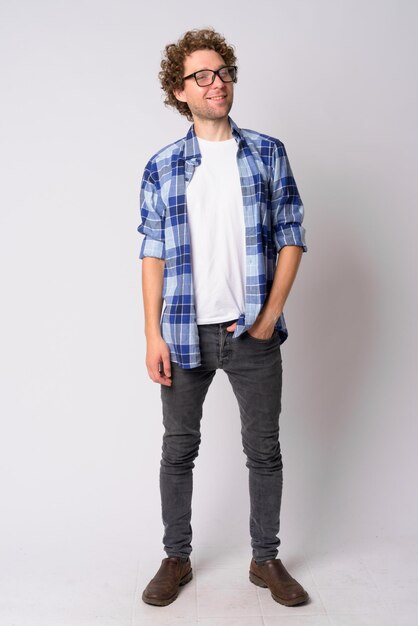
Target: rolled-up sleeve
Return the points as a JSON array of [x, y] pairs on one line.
[[287, 207], [152, 217]]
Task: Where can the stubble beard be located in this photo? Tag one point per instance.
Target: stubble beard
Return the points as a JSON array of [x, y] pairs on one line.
[[206, 113]]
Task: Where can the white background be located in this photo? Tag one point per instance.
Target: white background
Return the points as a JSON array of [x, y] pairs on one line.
[[81, 113]]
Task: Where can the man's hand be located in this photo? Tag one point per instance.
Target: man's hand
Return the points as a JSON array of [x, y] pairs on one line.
[[259, 330], [158, 361]]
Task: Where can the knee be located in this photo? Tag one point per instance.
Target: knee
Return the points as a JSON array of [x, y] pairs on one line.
[[265, 458], [179, 452]]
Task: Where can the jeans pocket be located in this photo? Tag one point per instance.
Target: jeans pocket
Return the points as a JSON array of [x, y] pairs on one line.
[[257, 340]]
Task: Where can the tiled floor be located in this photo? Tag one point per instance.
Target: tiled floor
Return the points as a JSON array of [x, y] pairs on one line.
[[376, 585]]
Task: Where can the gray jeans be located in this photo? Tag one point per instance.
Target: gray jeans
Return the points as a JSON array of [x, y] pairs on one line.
[[254, 369]]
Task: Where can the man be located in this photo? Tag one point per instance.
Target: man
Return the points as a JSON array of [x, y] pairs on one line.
[[221, 216]]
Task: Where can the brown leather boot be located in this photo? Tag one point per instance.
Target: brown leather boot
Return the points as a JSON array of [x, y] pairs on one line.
[[164, 587], [274, 575]]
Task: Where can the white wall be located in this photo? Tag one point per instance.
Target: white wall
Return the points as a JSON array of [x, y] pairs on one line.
[[81, 113]]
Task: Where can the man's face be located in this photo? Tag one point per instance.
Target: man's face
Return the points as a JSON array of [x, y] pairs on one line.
[[203, 101]]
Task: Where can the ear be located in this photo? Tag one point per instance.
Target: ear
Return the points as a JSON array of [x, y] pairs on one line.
[[180, 95]]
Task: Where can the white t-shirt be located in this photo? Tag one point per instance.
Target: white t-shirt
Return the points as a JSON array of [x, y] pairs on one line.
[[217, 231]]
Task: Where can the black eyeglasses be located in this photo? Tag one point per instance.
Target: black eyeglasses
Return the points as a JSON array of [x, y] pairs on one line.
[[227, 74]]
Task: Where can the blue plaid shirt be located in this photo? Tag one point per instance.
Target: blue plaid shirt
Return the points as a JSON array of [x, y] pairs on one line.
[[273, 214]]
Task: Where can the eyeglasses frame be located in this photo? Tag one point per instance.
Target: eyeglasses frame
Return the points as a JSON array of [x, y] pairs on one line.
[[215, 73]]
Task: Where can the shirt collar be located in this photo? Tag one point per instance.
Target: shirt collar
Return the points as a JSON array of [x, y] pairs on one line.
[[191, 146]]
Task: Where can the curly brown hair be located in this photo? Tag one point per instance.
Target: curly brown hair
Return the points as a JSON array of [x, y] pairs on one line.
[[172, 64]]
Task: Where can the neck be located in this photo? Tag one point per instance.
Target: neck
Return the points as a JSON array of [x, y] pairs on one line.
[[212, 130]]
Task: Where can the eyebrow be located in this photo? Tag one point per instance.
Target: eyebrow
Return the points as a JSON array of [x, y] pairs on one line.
[[206, 69]]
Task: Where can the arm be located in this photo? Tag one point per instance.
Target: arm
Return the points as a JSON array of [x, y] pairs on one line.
[[284, 276], [157, 350], [289, 237], [153, 261]]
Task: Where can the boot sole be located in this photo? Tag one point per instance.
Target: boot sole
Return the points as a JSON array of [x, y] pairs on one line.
[[186, 579], [260, 583]]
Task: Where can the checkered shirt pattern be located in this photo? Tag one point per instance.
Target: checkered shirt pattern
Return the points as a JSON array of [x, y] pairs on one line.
[[273, 215]]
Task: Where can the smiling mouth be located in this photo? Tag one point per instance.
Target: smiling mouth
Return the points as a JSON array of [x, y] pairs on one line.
[[217, 98]]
